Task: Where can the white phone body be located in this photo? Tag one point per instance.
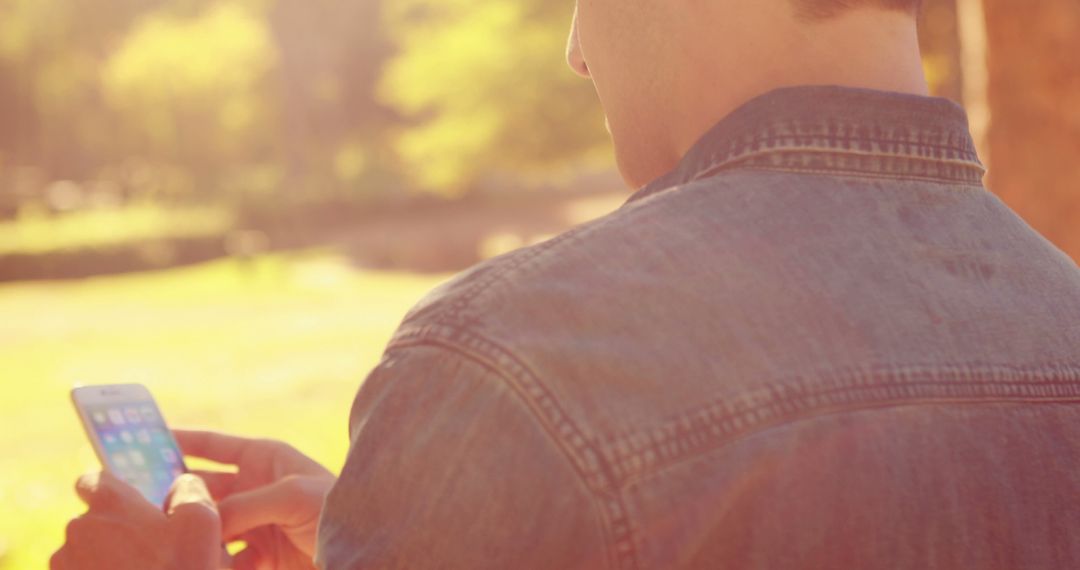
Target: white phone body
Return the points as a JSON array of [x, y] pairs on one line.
[[130, 437]]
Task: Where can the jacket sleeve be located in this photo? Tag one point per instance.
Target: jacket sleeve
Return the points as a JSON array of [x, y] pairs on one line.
[[447, 468]]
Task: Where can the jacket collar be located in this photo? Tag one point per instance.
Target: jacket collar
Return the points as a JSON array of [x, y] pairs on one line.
[[837, 130]]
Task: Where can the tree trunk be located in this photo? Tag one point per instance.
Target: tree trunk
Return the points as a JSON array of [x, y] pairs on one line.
[[939, 38], [1034, 97]]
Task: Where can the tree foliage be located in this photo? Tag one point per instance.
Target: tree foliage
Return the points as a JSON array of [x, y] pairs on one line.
[[197, 96], [210, 95], [487, 90], [196, 78]]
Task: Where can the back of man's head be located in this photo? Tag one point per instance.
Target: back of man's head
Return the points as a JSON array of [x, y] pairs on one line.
[[667, 71]]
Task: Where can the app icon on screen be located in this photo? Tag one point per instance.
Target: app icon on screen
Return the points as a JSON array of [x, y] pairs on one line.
[[120, 460], [126, 436], [132, 415], [110, 439], [137, 458], [143, 436], [100, 418], [116, 417], [148, 414], [168, 455]]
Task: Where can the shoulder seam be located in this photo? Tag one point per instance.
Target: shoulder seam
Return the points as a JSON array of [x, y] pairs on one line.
[[638, 478], [576, 443], [726, 418]]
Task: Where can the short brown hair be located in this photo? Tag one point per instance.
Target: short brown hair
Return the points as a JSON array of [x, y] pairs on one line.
[[820, 9]]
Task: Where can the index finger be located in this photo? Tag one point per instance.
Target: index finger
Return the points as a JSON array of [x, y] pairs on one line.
[[211, 445]]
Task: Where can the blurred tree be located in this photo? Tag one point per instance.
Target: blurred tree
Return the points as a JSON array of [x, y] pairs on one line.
[[1034, 97], [54, 119], [331, 57], [191, 94], [487, 90], [187, 88]]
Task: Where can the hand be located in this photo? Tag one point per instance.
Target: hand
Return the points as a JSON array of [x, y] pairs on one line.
[[124, 531], [272, 502]]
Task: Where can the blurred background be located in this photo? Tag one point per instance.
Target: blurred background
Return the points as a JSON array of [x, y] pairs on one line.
[[234, 202]]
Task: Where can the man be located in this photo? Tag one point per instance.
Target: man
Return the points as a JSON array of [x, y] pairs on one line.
[[812, 339]]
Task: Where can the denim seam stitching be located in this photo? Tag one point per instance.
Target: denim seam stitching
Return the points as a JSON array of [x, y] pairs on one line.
[[813, 414], [786, 144], [857, 174], [584, 457], [697, 431], [735, 162], [852, 152], [642, 198]]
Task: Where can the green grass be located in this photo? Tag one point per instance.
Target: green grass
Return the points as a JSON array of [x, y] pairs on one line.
[[278, 352], [38, 233]]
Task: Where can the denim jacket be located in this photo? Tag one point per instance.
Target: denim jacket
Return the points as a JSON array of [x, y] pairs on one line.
[[818, 343]]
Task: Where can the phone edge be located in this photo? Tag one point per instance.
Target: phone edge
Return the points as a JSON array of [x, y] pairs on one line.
[[88, 429]]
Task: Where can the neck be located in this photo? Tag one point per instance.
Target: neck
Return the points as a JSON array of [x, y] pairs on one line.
[[871, 49]]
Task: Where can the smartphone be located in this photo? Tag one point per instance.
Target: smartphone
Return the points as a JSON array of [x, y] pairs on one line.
[[130, 437]]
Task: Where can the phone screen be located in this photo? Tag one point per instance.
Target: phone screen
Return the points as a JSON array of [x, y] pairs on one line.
[[137, 446]]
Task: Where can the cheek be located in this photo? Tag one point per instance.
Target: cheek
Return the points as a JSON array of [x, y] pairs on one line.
[[598, 33], [614, 41], [627, 73]]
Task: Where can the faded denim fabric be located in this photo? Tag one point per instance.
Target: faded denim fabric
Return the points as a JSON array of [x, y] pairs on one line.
[[818, 343]]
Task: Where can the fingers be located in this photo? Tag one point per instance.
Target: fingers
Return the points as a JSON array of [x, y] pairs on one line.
[[220, 484], [193, 520], [232, 450], [117, 541], [212, 445], [102, 491], [189, 491], [249, 559], [61, 559], [288, 502], [225, 559]]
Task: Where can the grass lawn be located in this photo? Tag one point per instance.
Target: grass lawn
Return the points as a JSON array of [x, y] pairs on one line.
[[39, 233], [277, 351]]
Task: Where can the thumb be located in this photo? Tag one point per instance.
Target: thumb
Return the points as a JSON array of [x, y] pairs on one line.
[[196, 527], [189, 489], [103, 491], [281, 503], [189, 505]]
